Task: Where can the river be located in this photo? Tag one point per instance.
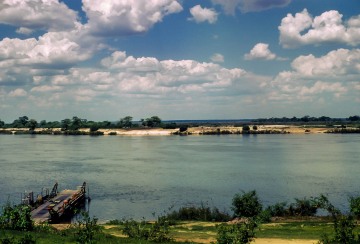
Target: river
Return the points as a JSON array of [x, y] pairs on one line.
[[145, 176]]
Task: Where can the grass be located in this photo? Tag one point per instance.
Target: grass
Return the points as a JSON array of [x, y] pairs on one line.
[[294, 230], [196, 231], [190, 232]]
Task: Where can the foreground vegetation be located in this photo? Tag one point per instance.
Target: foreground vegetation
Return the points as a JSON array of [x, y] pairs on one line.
[[250, 220]]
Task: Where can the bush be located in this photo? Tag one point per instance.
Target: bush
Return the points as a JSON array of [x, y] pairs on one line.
[[264, 216], [94, 127], [343, 231], [16, 218], [183, 128], [278, 209], [157, 232], [246, 204], [246, 128], [304, 207], [86, 228], [202, 213], [237, 233], [27, 239], [355, 206]]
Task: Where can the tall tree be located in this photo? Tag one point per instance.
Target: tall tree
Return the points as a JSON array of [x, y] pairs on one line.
[[42, 123], [2, 123], [76, 123], [154, 121], [65, 124], [32, 124], [24, 120], [125, 122]]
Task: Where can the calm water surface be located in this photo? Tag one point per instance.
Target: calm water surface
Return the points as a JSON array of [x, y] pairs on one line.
[[138, 176]]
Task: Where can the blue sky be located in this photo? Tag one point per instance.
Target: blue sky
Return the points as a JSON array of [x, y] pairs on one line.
[[179, 59]]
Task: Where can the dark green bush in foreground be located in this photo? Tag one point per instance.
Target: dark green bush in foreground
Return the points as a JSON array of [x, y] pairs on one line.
[[355, 206], [142, 230], [202, 213], [86, 228], [238, 233], [246, 204], [16, 218]]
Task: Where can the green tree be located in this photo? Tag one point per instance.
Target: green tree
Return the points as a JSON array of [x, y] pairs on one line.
[[154, 121], [2, 123], [20, 122], [32, 124], [354, 118], [105, 124], [246, 204], [76, 123], [65, 124], [23, 120], [42, 124], [94, 127], [125, 122]]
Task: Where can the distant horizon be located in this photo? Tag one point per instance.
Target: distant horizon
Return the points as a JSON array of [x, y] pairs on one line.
[[190, 120]]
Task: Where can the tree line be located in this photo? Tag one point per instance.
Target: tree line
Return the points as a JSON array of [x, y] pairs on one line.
[[307, 118], [126, 122], [75, 123]]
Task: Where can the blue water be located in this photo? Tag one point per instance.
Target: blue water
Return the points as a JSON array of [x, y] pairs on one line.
[[136, 176]]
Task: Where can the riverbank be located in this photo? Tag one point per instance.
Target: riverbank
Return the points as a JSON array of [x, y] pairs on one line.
[[201, 130]]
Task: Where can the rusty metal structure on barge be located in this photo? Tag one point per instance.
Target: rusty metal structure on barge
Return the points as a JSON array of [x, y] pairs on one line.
[[54, 205]]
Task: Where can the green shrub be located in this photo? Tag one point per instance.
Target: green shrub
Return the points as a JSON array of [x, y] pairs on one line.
[[236, 233], [7, 240], [355, 206], [304, 207], [278, 209], [16, 217], [183, 128], [202, 213], [246, 128], [246, 204], [86, 228], [27, 239], [157, 232], [264, 216], [343, 231]]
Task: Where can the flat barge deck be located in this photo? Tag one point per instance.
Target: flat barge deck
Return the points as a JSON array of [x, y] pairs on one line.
[[61, 204]]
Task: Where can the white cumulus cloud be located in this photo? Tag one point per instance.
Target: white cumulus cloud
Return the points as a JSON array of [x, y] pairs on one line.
[[122, 17], [303, 29], [333, 74], [200, 14], [337, 63], [37, 14], [260, 51]]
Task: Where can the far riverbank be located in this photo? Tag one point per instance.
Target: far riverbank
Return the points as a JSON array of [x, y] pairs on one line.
[[200, 130]]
